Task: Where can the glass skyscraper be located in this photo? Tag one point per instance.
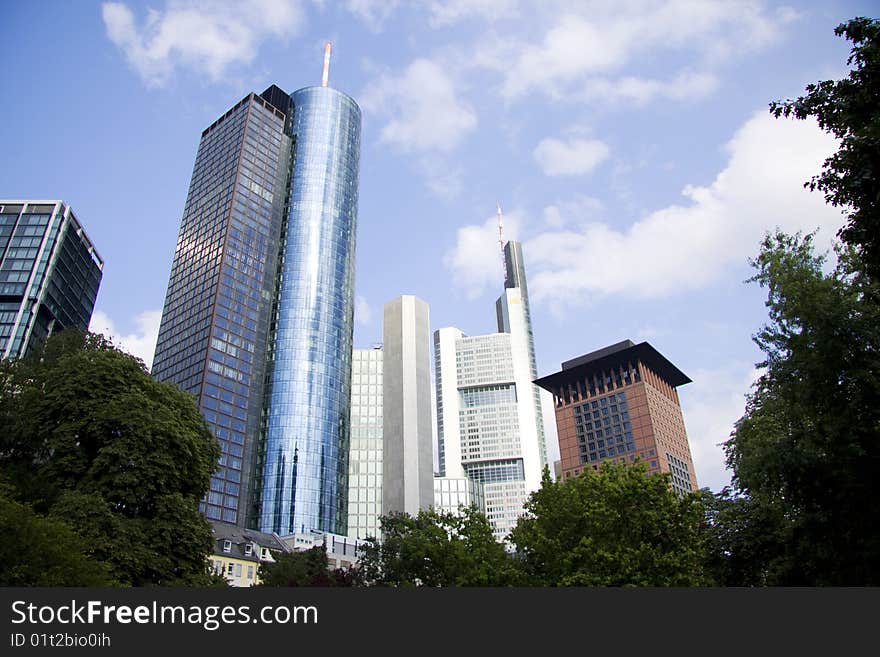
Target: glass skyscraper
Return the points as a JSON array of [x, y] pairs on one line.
[[305, 471], [49, 274], [258, 315]]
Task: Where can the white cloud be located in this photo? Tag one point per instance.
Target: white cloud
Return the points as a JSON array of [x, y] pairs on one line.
[[573, 47], [592, 39], [570, 158], [426, 113], [206, 36], [373, 13], [443, 178], [711, 405], [580, 210], [447, 12], [362, 311], [141, 344], [476, 261], [639, 91], [688, 246]]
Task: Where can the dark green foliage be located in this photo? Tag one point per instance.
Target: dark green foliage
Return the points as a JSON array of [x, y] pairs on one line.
[[615, 527], [743, 538], [807, 452], [91, 438], [41, 551], [850, 110], [303, 568], [436, 549], [806, 455]]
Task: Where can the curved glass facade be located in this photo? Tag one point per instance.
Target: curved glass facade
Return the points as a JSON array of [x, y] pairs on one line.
[[305, 472]]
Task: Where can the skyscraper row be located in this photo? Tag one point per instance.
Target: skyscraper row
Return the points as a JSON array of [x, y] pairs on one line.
[[258, 326]]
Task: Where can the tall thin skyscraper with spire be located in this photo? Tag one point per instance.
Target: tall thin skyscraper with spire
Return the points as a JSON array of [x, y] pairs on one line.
[[489, 421], [258, 318], [515, 278]]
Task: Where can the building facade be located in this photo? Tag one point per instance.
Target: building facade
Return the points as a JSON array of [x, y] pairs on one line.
[[489, 422], [238, 553], [408, 472], [257, 322], [305, 454], [49, 274], [213, 336], [391, 459], [451, 493], [365, 456], [621, 404], [342, 551]]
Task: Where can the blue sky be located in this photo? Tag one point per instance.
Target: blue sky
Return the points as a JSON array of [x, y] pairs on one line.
[[629, 144]]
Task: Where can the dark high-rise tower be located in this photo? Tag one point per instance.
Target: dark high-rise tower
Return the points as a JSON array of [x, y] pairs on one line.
[[215, 323], [258, 316], [49, 274]]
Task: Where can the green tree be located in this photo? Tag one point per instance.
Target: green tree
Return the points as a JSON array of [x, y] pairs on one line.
[[436, 548], [614, 527], [850, 110], [92, 439], [303, 568], [743, 538], [806, 454], [41, 551], [807, 451]]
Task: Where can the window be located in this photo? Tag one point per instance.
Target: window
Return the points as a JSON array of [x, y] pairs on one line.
[[250, 572], [248, 549], [227, 545]]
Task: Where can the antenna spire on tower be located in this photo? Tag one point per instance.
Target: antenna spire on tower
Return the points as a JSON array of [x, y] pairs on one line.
[[501, 237], [500, 226], [326, 64]]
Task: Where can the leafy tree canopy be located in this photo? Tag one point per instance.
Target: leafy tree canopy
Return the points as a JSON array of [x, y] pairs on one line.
[[807, 451], [743, 539], [806, 455], [436, 548], [850, 110], [303, 568], [614, 527], [41, 551], [92, 439]]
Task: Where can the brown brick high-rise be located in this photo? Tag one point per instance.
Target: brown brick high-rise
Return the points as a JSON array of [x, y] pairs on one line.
[[620, 404]]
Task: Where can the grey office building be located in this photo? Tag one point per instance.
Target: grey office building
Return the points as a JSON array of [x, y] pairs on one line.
[[49, 274], [489, 422], [391, 458], [257, 322], [408, 475]]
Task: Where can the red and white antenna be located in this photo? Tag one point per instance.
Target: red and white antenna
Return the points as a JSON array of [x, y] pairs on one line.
[[326, 64]]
